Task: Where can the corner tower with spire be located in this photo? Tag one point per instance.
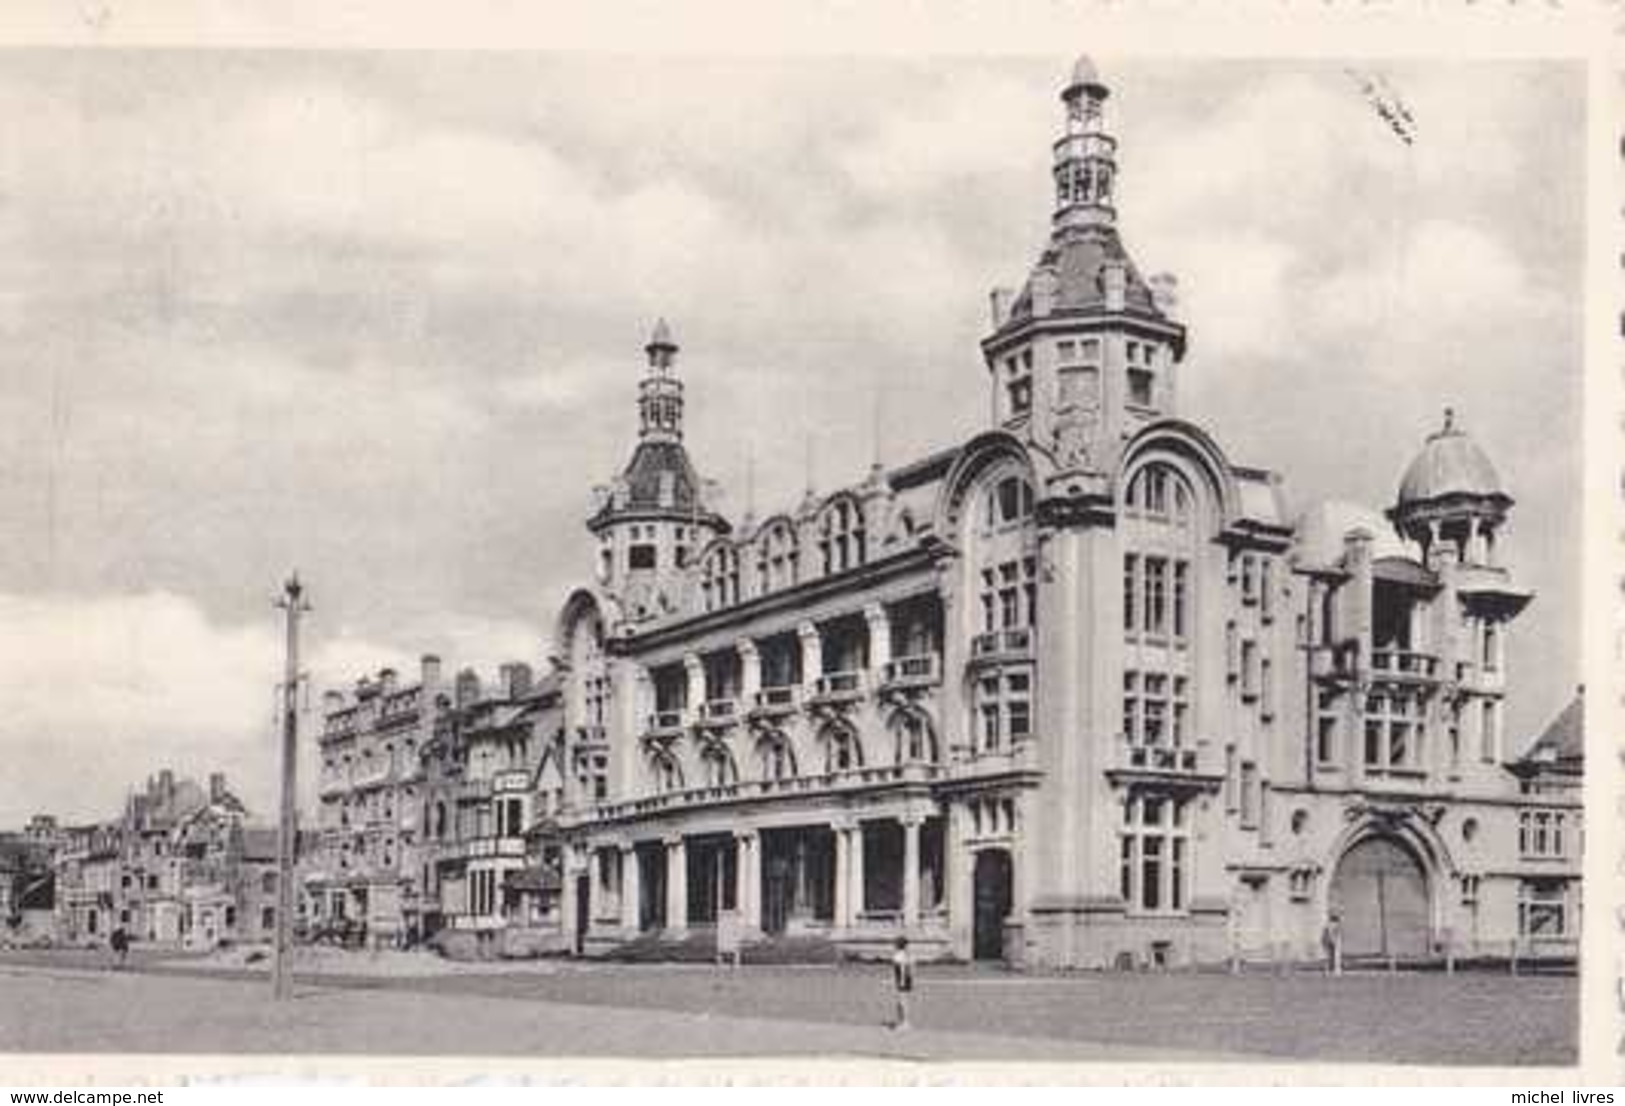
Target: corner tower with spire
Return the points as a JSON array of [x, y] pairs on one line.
[[1086, 352], [653, 521]]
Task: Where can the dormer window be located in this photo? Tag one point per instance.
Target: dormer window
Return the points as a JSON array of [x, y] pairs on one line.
[[841, 538]]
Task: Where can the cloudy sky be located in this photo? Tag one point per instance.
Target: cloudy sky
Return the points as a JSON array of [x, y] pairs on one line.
[[380, 316]]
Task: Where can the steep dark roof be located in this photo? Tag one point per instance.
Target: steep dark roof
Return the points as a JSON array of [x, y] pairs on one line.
[[650, 463], [1077, 260], [656, 465]]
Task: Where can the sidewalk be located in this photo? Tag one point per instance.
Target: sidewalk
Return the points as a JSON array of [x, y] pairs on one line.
[[79, 1011]]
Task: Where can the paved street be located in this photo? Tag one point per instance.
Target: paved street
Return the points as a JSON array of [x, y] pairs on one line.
[[663, 1011]]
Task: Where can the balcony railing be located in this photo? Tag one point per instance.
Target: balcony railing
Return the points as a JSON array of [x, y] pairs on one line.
[[1161, 758], [1014, 642], [869, 776], [666, 722], [1399, 662], [838, 687], [771, 702], [719, 711], [919, 671]]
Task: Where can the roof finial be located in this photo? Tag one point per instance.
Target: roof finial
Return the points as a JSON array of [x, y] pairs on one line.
[[662, 347], [1449, 421], [875, 464]]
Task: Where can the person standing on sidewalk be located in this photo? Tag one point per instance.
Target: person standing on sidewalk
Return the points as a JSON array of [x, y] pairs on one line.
[[120, 944], [902, 974]]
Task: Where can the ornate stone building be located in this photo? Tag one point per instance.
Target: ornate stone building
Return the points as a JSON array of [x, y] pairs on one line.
[[1077, 691]]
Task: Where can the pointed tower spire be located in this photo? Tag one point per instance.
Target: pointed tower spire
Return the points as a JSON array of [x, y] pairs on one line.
[[660, 394], [1085, 155]]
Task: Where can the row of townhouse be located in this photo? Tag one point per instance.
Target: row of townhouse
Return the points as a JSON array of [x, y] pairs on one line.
[[181, 866], [433, 813]]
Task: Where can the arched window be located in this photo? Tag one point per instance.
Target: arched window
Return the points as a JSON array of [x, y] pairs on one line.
[[914, 741], [718, 765], [1160, 551], [667, 774], [1007, 502], [719, 578], [842, 543], [842, 750], [776, 759], [777, 558]]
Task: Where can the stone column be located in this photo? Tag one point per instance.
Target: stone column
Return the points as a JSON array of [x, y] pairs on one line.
[[842, 913], [750, 673], [676, 886], [879, 638], [812, 653], [696, 684], [747, 881], [911, 870], [957, 862], [854, 866], [630, 891]]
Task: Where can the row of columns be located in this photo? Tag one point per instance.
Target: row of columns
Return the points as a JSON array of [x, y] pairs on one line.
[[812, 656], [849, 877]]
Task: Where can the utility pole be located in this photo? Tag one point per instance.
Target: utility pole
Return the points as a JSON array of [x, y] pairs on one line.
[[293, 605]]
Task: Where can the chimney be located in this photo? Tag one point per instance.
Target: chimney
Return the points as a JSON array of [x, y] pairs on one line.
[[217, 787], [429, 668], [1165, 293], [999, 301], [166, 785], [386, 681], [468, 687], [517, 678], [1114, 285], [332, 701]]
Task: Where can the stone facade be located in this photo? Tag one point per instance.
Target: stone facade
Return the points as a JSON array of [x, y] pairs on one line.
[[1075, 692], [181, 867], [367, 877]]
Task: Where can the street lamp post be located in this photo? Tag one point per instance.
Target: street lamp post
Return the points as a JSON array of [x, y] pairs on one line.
[[293, 605]]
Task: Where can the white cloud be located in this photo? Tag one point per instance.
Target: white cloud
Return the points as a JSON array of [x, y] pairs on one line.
[[119, 686]]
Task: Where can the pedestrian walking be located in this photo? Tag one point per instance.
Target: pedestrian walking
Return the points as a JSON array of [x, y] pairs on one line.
[[1331, 939], [902, 974], [119, 942]]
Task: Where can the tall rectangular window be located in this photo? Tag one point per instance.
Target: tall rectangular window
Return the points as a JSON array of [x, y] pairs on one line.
[[1139, 387], [1327, 716], [1489, 730], [1156, 596], [1131, 592], [1249, 795], [1542, 908], [1182, 598], [1153, 850]]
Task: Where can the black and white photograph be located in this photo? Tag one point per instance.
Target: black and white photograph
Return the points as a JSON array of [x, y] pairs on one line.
[[1069, 555]]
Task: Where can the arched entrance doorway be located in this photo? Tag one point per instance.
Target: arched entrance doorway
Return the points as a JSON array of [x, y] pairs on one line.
[[1380, 895], [992, 903]]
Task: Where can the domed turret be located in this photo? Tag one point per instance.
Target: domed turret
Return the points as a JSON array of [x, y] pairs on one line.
[[1452, 494], [1450, 464]]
